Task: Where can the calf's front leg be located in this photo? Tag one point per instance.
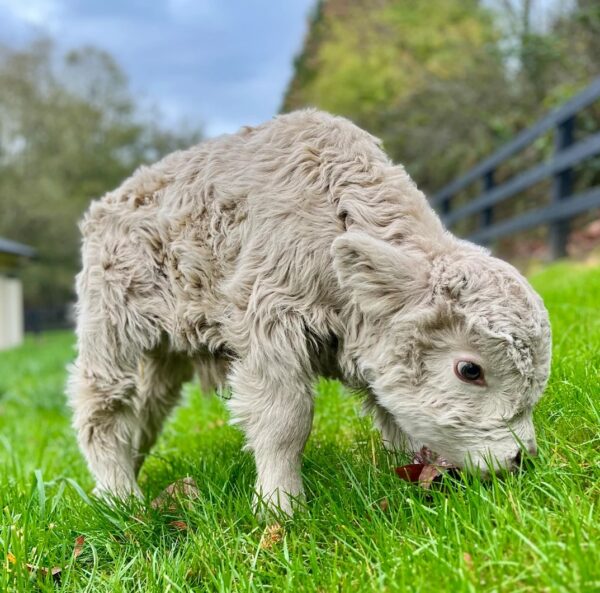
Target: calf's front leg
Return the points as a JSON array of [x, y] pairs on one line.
[[272, 401]]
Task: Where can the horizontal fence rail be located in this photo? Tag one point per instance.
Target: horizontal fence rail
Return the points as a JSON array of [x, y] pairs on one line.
[[564, 204]]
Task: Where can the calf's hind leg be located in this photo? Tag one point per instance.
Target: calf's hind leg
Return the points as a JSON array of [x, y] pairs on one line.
[[102, 394], [120, 404]]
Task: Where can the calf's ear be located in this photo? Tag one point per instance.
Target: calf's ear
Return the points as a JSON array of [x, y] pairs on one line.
[[382, 278]]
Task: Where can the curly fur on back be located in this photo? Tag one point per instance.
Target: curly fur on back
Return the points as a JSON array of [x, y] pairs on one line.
[[275, 254]]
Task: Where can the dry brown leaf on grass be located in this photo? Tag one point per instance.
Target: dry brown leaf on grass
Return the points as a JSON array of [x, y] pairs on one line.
[[424, 469], [44, 571], [79, 543], [55, 571], [428, 475], [179, 525], [272, 535], [384, 505], [185, 489]]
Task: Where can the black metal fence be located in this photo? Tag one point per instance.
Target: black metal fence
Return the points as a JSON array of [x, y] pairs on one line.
[[564, 205], [39, 319]]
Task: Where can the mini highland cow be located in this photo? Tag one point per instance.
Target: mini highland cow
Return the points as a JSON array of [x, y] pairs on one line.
[[268, 257]]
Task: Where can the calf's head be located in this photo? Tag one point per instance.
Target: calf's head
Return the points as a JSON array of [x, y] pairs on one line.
[[454, 345]]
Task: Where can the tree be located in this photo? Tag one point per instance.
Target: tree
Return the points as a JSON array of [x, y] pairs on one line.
[[405, 71], [445, 82], [69, 131]]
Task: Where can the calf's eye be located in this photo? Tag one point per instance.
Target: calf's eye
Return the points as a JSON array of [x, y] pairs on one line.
[[469, 371]]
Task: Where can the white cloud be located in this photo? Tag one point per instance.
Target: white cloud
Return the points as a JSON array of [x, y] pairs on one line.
[[39, 13], [224, 63]]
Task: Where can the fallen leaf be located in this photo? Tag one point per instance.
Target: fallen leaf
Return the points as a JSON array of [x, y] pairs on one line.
[[55, 571], [428, 475], [424, 469], [272, 535], [79, 543], [185, 488], [179, 525], [410, 472]]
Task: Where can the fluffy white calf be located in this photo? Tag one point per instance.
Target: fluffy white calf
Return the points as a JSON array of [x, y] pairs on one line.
[[283, 252]]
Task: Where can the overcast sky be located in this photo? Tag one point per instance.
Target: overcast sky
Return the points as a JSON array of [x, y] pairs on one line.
[[223, 63]]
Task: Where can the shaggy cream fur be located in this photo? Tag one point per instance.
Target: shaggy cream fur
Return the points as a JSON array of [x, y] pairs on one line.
[[285, 251]]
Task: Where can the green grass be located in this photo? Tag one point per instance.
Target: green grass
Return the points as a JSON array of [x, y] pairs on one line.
[[536, 532]]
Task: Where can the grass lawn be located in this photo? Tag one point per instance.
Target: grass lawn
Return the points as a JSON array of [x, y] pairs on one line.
[[363, 530]]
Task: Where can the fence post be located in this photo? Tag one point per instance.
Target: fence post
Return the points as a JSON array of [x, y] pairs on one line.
[[487, 214], [562, 189], [446, 205]]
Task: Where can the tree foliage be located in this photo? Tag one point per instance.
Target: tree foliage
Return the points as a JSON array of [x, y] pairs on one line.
[[443, 82], [70, 130]]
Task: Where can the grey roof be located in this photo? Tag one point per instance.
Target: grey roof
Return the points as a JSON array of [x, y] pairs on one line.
[[15, 248]]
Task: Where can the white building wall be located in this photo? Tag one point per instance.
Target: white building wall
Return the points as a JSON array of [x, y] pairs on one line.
[[11, 312]]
